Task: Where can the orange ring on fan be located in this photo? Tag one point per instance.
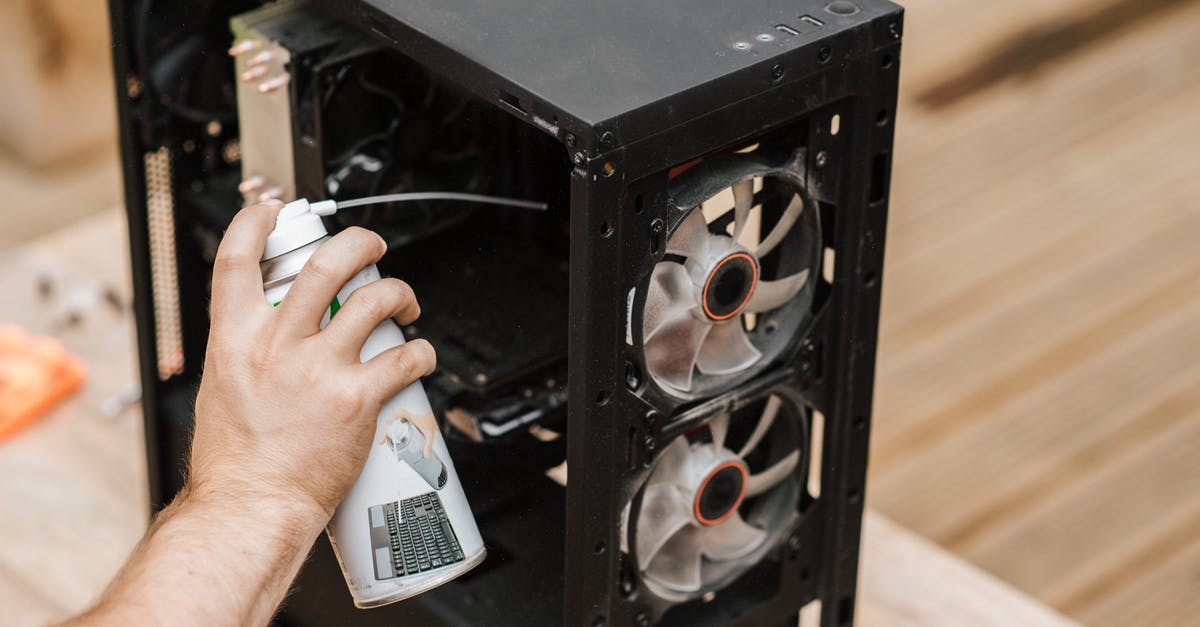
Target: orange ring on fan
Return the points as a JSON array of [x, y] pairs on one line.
[[749, 293], [736, 503]]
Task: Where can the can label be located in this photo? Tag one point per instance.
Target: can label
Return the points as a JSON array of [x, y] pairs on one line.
[[405, 526]]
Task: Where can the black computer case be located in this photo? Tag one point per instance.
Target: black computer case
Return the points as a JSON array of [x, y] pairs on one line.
[[690, 326]]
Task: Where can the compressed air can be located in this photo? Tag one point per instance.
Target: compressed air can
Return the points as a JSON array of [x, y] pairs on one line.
[[405, 526]]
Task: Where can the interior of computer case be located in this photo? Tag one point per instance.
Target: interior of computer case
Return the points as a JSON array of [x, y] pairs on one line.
[[657, 390]]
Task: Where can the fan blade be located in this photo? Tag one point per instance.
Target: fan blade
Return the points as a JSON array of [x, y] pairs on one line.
[[743, 201], [731, 539], [727, 349], [691, 237], [719, 427], [677, 564], [770, 295], [665, 510], [764, 424], [768, 478], [673, 464], [786, 221], [671, 292], [672, 350]]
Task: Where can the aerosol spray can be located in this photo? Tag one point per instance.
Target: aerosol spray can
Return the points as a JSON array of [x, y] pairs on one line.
[[405, 526]]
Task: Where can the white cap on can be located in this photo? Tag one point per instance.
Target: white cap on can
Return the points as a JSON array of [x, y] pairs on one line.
[[299, 224]]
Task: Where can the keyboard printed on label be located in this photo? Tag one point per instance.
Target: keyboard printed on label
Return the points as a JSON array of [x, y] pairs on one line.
[[412, 536]]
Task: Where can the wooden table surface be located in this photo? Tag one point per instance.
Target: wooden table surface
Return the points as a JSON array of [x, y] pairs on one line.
[[72, 486]]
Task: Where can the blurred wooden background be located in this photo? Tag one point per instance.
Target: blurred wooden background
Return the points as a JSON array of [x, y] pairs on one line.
[[1038, 389], [1038, 394]]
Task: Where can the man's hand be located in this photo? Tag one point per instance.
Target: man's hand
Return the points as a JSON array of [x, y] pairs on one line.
[[284, 421], [286, 412]]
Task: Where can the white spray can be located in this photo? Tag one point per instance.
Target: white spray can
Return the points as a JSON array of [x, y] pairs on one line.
[[405, 526]]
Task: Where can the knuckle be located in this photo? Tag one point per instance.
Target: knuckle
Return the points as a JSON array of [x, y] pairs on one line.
[[227, 261], [321, 267], [348, 396], [403, 363], [370, 303]]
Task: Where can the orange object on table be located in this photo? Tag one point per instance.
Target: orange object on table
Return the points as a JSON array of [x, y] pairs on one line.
[[35, 374]]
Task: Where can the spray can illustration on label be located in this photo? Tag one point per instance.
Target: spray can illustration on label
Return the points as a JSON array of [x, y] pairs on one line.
[[408, 443], [405, 526]]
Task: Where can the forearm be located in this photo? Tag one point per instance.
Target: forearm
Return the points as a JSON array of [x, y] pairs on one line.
[[211, 558]]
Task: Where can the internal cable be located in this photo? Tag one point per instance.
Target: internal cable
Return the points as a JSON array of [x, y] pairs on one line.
[[415, 196]]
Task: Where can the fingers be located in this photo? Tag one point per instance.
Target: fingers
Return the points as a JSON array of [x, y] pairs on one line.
[[367, 307], [396, 368], [236, 275], [331, 267]]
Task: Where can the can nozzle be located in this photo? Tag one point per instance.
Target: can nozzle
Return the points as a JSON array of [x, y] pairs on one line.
[[298, 224]]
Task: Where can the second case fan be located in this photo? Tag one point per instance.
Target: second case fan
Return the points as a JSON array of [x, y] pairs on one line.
[[719, 498]]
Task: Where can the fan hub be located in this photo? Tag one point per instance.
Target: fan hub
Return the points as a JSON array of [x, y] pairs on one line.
[[721, 492], [729, 285]]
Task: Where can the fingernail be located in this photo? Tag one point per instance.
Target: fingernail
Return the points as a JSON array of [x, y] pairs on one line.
[[382, 241]]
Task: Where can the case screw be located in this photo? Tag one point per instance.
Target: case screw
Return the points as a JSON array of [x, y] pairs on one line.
[[824, 54], [133, 87], [777, 72], [570, 140], [481, 379], [657, 226], [650, 446], [794, 542], [821, 160], [643, 620], [607, 139], [579, 160]]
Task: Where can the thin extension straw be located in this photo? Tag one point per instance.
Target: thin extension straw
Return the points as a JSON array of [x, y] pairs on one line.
[[411, 196]]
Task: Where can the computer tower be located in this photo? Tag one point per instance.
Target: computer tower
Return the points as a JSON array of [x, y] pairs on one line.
[[658, 390]]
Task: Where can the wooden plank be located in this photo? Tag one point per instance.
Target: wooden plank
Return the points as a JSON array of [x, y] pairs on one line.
[[1103, 520], [1162, 595], [38, 201], [1009, 460], [1025, 342], [56, 68], [1027, 136], [1117, 188], [24, 605], [906, 580], [1029, 38]]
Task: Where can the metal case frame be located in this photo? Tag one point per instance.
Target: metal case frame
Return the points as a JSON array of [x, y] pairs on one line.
[[618, 194]]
